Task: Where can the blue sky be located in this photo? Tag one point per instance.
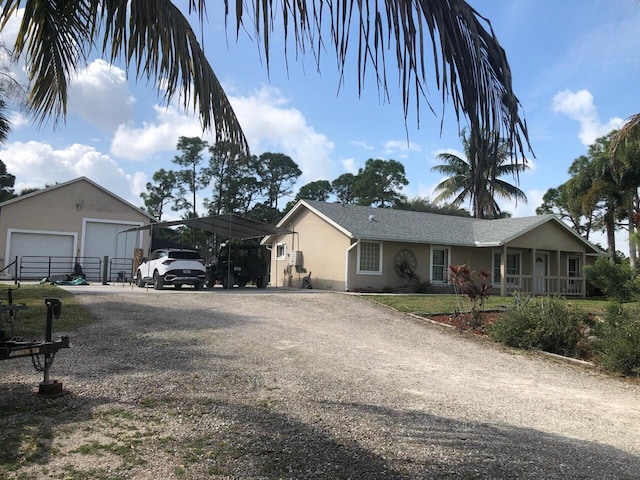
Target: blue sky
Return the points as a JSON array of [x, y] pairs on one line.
[[575, 66]]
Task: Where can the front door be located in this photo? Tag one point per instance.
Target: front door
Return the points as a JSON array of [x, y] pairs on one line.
[[540, 273]]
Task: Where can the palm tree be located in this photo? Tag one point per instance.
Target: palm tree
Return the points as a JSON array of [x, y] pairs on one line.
[[156, 41], [477, 177]]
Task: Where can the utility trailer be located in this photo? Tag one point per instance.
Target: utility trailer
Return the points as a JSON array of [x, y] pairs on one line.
[[12, 346]]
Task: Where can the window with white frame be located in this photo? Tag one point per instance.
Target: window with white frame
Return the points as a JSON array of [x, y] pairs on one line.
[[281, 251], [370, 258], [512, 267], [439, 264]]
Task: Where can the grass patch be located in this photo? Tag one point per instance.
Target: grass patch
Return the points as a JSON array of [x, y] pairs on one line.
[[433, 304], [30, 323]]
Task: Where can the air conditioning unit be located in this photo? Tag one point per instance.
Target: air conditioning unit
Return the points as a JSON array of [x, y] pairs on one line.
[[295, 258]]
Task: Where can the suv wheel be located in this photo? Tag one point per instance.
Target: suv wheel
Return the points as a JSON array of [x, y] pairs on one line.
[[261, 282], [139, 281], [158, 281]]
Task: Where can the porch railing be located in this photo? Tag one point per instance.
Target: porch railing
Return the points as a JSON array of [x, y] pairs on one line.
[[547, 285]]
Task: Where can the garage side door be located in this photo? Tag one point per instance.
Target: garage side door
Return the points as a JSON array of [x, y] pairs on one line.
[[33, 250], [102, 239]]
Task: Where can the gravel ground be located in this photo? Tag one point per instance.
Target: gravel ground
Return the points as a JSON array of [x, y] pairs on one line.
[[278, 384]]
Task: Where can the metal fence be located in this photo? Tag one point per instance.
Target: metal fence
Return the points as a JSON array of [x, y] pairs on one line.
[[120, 270], [62, 268], [39, 267]]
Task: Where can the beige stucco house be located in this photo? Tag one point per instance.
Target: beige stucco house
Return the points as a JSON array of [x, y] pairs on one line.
[[49, 230], [353, 248]]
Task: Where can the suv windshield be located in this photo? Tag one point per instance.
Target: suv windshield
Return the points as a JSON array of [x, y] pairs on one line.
[[185, 255]]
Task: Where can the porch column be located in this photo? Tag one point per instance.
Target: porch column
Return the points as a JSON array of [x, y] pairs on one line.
[[558, 270], [583, 287], [503, 272], [534, 279]]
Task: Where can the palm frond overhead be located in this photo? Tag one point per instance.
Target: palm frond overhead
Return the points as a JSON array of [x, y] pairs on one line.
[[152, 37], [470, 67], [156, 41]]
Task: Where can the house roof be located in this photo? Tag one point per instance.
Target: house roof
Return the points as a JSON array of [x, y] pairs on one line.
[[369, 223], [70, 182]]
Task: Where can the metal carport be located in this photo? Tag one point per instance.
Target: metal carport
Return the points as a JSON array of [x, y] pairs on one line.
[[230, 225]]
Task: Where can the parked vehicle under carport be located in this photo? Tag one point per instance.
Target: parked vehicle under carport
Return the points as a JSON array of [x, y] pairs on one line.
[[240, 264]]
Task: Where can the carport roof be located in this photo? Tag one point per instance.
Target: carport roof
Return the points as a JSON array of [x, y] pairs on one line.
[[229, 224]]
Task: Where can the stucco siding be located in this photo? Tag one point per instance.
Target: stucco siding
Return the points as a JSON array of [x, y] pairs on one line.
[[66, 209], [323, 250], [549, 236]]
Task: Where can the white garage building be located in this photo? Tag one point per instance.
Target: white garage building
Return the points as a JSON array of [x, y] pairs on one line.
[[49, 231]]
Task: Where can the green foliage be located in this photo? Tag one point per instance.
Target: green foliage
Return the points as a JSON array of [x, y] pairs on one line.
[[478, 176], [343, 187], [618, 340], [545, 323], [616, 281], [422, 204], [379, 183]]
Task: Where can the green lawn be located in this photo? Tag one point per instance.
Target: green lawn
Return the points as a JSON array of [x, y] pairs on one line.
[[433, 304], [30, 323]]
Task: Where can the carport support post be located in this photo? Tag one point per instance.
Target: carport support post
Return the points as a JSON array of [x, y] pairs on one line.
[[105, 269]]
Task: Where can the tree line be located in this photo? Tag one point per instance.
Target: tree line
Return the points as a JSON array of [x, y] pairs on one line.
[[230, 181], [602, 192]]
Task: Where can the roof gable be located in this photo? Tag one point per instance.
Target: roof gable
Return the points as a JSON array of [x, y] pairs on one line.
[[71, 182]]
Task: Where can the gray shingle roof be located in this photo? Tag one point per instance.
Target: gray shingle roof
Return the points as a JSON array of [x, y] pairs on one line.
[[370, 223]]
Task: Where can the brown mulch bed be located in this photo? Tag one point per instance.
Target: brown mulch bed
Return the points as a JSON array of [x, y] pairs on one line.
[[466, 322]]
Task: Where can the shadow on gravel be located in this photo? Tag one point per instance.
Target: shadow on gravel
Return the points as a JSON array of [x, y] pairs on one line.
[[28, 424], [437, 447]]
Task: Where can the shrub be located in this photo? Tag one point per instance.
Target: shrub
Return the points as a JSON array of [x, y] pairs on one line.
[[618, 340], [616, 281], [545, 323]]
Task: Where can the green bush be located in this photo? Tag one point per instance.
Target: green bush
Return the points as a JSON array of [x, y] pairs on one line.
[[618, 340], [545, 323], [616, 281]]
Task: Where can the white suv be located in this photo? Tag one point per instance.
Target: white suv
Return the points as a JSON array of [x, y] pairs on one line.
[[170, 266]]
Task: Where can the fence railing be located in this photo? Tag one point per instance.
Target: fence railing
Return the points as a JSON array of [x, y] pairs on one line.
[[545, 285], [120, 270], [51, 267]]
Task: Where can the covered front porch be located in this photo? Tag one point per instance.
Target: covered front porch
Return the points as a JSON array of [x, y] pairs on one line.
[[539, 272]]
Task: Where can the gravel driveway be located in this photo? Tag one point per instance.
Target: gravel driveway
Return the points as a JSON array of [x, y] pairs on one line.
[[273, 384]]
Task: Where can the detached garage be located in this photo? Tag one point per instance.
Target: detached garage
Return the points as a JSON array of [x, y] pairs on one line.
[[49, 231]]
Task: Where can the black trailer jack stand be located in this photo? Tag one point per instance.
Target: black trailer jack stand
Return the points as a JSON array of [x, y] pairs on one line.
[[16, 348]]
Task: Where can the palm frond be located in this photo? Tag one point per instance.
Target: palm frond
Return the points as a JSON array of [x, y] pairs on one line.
[[159, 42], [54, 36], [470, 67]]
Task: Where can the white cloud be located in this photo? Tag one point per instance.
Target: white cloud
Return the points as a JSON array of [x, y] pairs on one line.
[[100, 95], [270, 126], [400, 147], [267, 124], [349, 164], [37, 164], [363, 145], [142, 143], [579, 106]]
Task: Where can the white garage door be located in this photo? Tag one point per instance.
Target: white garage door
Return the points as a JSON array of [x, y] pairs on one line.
[[103, 239], [39, 254]]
